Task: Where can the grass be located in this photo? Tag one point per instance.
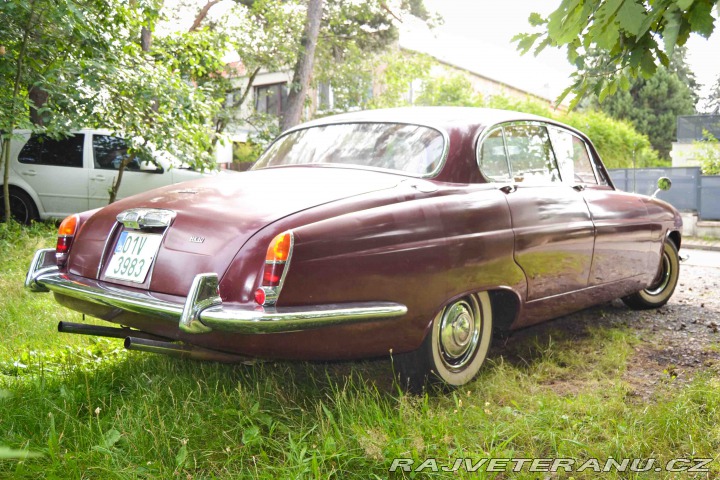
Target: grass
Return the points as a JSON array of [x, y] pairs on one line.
[[85, 408]]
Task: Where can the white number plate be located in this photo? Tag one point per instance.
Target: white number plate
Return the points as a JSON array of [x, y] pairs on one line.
[[133, 256]]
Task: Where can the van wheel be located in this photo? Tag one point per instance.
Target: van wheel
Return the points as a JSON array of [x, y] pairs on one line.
[[454, 350], [22, 207], [663, 286]]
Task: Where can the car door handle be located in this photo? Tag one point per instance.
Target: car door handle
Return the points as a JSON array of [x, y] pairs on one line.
[[29, 173], [579, 187], [508, 188], [98, 178]]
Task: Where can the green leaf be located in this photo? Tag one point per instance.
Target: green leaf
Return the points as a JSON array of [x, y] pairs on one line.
[[684, 4], [181, 456], [250, 435], [701, 19], [11, 453], [536, 19], [569, 27], [647, 65], [671, 30], [111, 437], [525, 41], [631, 17]]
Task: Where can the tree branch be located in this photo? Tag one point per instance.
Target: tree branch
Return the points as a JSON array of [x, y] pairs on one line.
[[202, 14]]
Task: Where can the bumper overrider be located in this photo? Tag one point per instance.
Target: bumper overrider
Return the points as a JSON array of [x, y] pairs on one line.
[[203, 310]]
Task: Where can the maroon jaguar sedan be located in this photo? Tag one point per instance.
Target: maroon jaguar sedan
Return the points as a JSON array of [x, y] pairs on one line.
[[415, 233]]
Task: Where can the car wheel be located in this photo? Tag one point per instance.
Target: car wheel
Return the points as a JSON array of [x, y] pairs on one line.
[[22, 207], [662, 288], [453, 350]]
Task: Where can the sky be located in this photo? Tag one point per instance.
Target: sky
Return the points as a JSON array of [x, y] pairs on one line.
[[472, 27]]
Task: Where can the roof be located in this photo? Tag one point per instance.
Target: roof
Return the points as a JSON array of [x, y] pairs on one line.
[[445, 118]]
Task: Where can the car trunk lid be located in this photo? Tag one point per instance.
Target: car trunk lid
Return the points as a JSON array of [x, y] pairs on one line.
[[213, 219]]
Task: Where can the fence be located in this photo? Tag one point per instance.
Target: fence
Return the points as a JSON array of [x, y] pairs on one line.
[[691, 191]]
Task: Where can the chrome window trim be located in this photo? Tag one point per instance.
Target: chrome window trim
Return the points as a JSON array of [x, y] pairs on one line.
[[491, 128], [434, 173]]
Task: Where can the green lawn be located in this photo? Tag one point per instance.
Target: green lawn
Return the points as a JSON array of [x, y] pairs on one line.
[[89, 409]]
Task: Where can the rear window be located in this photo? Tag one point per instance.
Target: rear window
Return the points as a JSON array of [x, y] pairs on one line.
[[412, 149]]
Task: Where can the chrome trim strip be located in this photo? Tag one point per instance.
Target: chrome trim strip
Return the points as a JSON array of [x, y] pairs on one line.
[[203, 310], [294, 319]]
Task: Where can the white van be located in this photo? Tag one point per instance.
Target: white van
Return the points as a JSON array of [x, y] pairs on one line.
[[56, 178]]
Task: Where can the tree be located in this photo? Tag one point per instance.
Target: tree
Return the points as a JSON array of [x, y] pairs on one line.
[[303, 66], [652, 105], [43, 42], [712, 101], [708, 152], [96, 64], [636, 37], [455, 90]]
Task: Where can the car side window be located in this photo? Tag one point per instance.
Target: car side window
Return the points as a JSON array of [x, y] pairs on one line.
[[493, 160], [530, 154], [42, 150], [573, 157], [109, 153]]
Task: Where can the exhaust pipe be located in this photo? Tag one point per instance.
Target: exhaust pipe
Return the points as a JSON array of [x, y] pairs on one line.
[[182, 350], [111, 332]]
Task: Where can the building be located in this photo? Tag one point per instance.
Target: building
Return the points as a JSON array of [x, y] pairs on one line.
[[691, 144]]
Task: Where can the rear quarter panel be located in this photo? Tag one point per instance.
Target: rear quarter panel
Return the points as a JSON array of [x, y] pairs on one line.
[[422, 252]]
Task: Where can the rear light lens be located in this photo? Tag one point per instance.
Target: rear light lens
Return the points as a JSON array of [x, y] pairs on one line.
[[66, 234], [276, 261]]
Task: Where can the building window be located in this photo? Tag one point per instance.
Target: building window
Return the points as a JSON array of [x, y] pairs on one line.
[[271, 99]]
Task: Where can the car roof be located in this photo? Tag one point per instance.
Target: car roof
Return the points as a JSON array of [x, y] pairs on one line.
[[445, 118]]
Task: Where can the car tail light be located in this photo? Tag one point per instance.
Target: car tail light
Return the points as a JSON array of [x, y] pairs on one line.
[[277, 259], [66, 234]]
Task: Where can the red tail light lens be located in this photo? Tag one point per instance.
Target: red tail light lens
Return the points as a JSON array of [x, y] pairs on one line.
[[66, 234]]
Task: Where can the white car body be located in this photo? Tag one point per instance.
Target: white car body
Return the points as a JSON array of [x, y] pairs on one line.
[[58, 191]]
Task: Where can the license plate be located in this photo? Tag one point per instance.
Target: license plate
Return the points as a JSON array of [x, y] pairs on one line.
[[133, 256]]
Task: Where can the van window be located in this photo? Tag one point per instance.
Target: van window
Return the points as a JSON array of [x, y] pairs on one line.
[[42, 150]]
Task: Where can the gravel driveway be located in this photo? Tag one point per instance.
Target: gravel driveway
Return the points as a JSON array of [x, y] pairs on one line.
[[676, 341]]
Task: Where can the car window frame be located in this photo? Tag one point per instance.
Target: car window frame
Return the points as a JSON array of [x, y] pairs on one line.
[[489, 130]]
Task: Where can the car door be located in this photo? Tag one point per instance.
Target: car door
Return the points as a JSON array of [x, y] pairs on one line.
[[625, 241], [108, 152], [553, 231], [55, 170]]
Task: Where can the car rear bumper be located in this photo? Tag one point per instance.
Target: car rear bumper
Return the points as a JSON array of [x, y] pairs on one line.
[[203, 310]]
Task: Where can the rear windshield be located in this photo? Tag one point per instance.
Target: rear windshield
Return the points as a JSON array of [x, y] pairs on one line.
[[411, 149]]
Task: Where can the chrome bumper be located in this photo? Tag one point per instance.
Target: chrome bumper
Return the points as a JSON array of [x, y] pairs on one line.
[[203, 310]]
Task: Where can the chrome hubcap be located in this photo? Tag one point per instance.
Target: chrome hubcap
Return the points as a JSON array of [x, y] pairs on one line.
[[663, 278], [459, 334]]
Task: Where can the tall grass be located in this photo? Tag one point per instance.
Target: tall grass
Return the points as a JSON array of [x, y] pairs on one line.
[[89, 409]]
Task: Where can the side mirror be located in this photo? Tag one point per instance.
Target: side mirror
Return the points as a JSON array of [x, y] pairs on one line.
[[663, 185]]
